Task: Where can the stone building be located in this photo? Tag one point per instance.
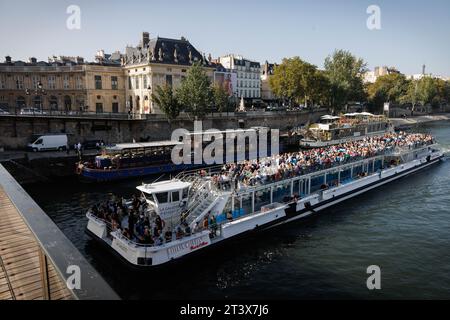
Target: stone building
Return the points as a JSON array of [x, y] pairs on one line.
[[266, 72], [248, 75], [158, 62], [65, 84]]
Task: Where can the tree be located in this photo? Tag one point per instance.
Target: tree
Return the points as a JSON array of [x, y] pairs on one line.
[[320, 91], [294, 80], [388, 88], [167, 102], [345, 74], [195, 93], [221, 98], [427, 91]]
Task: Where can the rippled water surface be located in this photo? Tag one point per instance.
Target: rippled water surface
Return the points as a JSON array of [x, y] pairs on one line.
[[403, 227]]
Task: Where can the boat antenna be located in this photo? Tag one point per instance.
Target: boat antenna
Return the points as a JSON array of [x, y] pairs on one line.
[[158, 179]]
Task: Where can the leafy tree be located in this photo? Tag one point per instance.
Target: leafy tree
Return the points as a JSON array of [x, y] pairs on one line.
[[427, 91], [320, 91], [294, 80], [195, 93], [345, 74], [388, 88], [221, 98], [167, 102]]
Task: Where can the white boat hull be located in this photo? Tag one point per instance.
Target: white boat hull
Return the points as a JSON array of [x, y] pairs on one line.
[[278, 214]]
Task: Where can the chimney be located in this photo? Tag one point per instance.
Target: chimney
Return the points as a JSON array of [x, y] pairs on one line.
[[145, 39], [80, 60], [8, 59], [32, 60]]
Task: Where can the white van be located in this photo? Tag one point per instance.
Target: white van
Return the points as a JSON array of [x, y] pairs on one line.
[[48, 142]]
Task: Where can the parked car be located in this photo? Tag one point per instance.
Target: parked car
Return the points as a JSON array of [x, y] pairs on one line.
[[48, 142], [3, 111], [31, 111]]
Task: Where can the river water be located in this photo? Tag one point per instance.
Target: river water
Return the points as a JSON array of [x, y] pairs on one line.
[[403, 227]]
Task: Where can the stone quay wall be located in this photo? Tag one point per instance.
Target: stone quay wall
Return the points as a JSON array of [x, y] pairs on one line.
[[16, 131]]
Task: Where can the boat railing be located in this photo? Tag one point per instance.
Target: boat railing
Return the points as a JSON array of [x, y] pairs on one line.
[[189, 173], [119, 236], [101, 222]]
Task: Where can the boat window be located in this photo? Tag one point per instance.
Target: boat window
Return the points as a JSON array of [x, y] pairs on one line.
[[162, 197], [175, 196], [185, 193]]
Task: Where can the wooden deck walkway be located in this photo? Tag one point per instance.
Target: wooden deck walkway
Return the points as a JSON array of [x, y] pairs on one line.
[[25, 272]]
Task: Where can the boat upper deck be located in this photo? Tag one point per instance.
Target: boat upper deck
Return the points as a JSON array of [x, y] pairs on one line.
[[275, 168]]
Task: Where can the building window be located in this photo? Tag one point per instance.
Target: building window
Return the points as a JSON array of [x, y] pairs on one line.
[[66, 82], [51, 82], [99, 107], [79, 82], [19, 82], [2, 82], [79, 101], [20, 102], [35, 81], [67, 103], [53, 103], [169, 80], [37, 102], [129, 83], [145, 82], [115, 107], [98, 82], [136, 79], [114, 83]]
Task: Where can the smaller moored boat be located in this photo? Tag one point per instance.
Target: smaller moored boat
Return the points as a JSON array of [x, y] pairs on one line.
[[128, 160], [332, 130]]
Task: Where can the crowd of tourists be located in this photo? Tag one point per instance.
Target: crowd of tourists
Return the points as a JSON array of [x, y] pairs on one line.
[[136, 221], [283, 166]]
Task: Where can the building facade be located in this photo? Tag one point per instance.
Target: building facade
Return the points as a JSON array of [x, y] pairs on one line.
[[63, 84], [372, 76], [158, 62], [266, 72], [248, 75]]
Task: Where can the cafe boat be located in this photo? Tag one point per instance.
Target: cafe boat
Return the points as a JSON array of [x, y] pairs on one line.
[[190, 199], [333, 130]]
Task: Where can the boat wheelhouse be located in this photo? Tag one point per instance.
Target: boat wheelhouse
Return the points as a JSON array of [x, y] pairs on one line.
[[202, 211], [332, 130]]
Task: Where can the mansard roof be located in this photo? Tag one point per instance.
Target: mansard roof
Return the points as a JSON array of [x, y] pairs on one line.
[[166, 51]]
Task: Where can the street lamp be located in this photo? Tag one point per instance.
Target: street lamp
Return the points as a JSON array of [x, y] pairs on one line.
[[39, 90]]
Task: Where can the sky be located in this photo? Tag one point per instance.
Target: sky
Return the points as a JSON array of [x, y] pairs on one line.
[[412, 32]]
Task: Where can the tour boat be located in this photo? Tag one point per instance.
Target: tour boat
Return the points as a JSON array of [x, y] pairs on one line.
[[131, 160], [332, 130], [191, 198]]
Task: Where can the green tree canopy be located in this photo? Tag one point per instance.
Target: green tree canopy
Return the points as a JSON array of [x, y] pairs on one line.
[[345, 74], [295, 80], [427, 91], [167, 102], [388, 88], [221, 98], [195, 93]]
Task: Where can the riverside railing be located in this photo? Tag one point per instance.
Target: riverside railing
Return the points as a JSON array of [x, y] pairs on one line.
[[55, 246]]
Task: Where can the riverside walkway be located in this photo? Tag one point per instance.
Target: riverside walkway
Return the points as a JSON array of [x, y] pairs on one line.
[[36, 259]]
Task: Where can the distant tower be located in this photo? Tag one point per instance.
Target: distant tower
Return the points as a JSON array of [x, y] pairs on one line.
[[423, 69]]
